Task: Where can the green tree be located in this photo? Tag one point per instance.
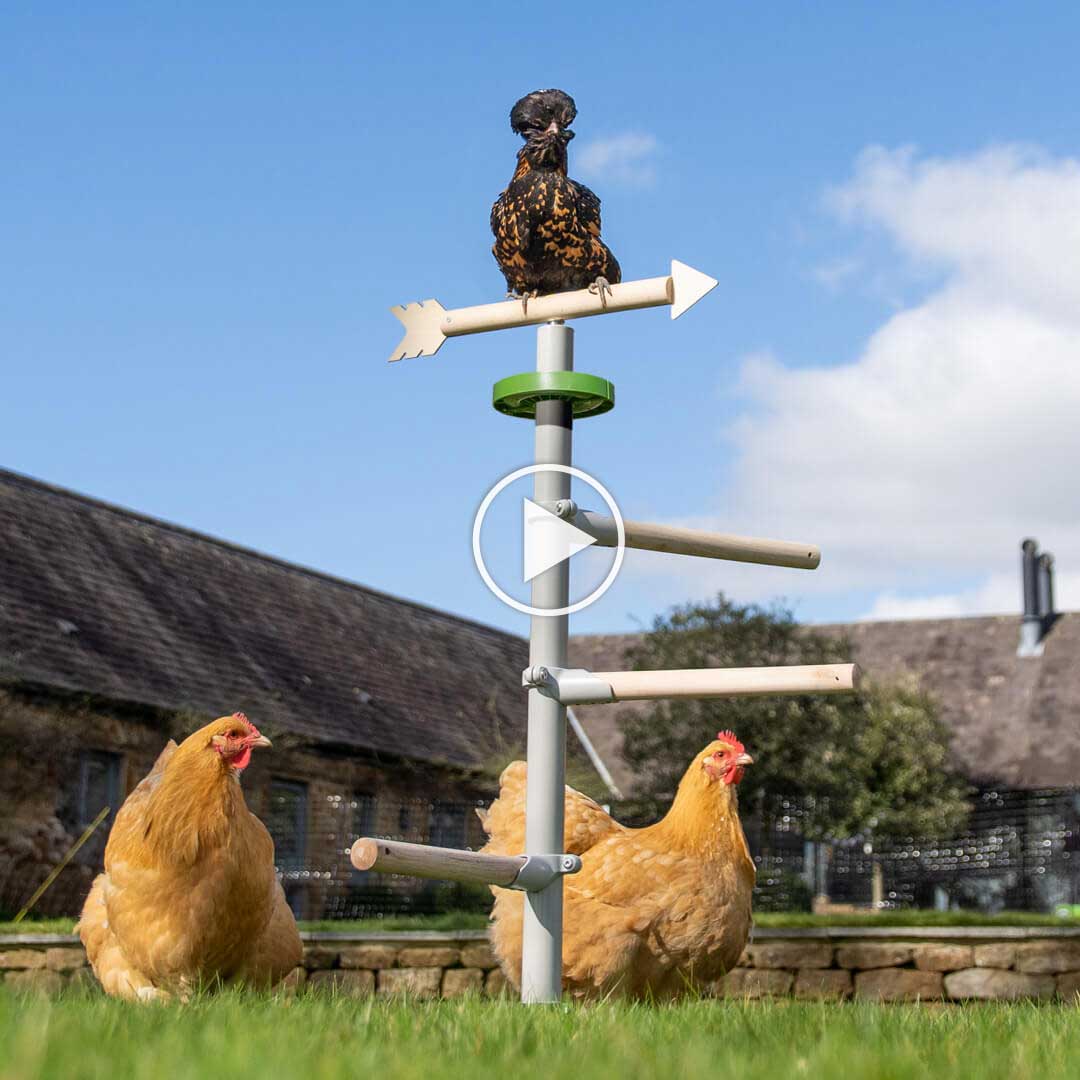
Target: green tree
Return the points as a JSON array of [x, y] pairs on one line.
[[872, 762]]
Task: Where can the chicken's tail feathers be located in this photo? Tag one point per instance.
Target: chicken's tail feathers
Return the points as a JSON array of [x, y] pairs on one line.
[[504, 819], [157, 770], [514, 774]]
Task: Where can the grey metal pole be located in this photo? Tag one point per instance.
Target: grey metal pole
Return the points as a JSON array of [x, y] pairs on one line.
[[541, 945]]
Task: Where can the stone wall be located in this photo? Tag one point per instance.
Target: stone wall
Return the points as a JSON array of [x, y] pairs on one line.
[[419, 963], [820, 964], [909, 964]]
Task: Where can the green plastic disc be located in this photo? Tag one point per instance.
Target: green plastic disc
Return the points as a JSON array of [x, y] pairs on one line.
[[517, 395]]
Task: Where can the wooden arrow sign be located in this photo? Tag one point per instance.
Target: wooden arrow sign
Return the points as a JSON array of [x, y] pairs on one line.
[[429, 324]]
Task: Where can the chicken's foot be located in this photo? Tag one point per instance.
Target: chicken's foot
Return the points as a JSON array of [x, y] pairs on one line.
[[599, 287]]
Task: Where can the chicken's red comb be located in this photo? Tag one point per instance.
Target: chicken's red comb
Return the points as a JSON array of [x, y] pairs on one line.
[[730, 737], [244, 720]]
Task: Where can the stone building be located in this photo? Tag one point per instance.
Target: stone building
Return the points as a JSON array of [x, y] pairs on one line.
[[119, 631]]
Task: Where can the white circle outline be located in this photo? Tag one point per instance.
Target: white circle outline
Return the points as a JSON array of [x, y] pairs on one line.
[[620, 547]]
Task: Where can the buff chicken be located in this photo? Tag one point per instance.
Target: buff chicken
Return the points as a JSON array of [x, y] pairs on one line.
[[189, 897], [654, 913]]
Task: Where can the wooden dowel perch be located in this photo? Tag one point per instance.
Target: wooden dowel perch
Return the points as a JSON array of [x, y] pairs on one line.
[[706, 545], [448, 864], [731, 682], [630, 295]]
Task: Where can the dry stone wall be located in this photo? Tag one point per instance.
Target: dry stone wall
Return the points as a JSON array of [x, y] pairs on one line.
[[961, 964]]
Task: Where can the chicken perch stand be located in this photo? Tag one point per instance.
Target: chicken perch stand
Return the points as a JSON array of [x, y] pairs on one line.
[[553, 396]]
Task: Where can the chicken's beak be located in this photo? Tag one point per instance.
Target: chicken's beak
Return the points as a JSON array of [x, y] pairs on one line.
[[744, 759], [262, 740], [552, 128]]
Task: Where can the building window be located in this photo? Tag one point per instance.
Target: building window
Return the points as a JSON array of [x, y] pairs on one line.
[[99, 785], [365, 810], [447, 824], [364, 814], [286, 821]]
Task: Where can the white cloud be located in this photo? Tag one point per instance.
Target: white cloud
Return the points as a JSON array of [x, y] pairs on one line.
[[627, 159], [998, 594], [921, 466], [837, 272]]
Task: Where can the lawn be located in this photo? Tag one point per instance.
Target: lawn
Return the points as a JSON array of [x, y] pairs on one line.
[[449, 920], [239, 1035], [473, 920]]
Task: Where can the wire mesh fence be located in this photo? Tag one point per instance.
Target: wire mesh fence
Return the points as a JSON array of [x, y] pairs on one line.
[[320, 881], [1018, 851]]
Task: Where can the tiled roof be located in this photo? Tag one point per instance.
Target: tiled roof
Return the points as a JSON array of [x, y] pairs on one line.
[[1014, 721], [100, 600]]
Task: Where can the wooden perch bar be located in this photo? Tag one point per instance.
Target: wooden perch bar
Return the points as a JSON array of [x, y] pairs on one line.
[[630, 295], [448, 864], [706, 545], [730, 682]]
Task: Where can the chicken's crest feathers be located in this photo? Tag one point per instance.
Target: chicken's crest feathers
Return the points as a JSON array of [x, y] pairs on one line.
[[538, 109]]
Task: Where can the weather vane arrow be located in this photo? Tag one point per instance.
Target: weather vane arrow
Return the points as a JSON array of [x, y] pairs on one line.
[[429, 324]]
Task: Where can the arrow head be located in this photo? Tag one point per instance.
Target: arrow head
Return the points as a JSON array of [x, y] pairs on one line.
[[689, 285], [423, 335]]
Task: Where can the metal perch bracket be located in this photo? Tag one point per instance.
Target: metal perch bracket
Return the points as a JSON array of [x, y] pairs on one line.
[[540, 871], [569, 686]]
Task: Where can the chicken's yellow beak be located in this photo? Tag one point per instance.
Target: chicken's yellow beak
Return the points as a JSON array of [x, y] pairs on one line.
[[744, 759], [262, 740]]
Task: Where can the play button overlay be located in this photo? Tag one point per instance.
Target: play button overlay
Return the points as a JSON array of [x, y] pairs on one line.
[[547, 540]]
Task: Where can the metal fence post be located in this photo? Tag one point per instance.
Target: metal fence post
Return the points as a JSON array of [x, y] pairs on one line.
[[541, 952]]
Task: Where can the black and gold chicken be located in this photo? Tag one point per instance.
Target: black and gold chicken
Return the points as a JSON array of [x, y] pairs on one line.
[[547, 226]]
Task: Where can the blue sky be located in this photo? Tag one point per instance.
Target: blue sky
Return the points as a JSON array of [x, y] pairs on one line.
[[205, 213]]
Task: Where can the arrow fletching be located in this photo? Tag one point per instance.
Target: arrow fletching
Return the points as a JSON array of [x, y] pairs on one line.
[[423, 335]]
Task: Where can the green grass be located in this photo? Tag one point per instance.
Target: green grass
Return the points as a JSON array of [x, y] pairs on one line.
[[450, 920], [913, 918], [38, 926], [472, 920], [240, 1036]]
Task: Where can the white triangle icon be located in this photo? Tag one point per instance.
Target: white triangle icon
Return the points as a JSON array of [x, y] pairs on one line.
[[548, 539], [690, 286]]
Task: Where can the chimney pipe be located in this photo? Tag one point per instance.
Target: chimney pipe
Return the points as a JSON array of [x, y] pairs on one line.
[[1031, 626], [1046, 591]]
